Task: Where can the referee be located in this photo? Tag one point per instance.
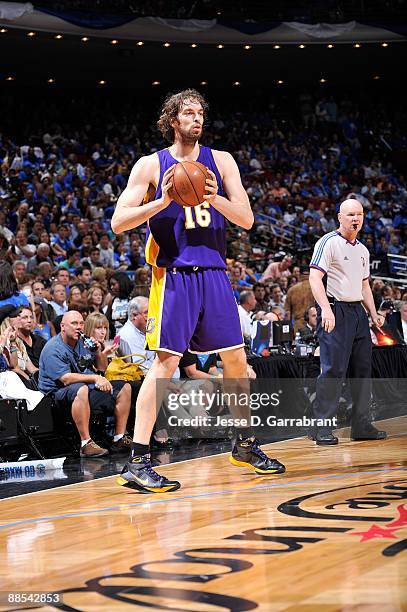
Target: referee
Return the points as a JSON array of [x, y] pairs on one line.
[[339, 279]]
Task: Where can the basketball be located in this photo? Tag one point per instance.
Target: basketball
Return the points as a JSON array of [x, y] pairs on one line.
[[189, 183]]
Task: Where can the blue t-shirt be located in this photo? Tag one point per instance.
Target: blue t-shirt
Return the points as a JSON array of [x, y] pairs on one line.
[[58, 358], [15, 300]]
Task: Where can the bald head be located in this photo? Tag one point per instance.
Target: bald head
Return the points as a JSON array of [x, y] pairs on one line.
[[350, 206], [71, 326], [350, 218]]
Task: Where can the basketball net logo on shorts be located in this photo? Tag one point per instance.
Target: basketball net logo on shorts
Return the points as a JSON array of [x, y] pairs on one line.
[[150, 327]]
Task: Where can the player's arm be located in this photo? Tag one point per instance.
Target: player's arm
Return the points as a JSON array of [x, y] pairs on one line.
[[318, 291], [237, 207], [129, 213], [369, 304]]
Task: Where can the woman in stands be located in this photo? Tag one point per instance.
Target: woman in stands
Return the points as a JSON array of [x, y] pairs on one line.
[[9, 292], [44, 327], [24, 366], [96, 298], [117, 300]]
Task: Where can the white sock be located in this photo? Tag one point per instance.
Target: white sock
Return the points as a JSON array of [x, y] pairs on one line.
[[117, 437], [84, 442]]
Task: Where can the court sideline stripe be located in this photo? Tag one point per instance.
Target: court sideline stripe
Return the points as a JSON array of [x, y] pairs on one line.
[[197, 496], [72, 484]]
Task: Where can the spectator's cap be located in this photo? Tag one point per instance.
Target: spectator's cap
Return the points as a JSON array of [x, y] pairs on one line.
[[8, 311], [386, 305], [280, 256]]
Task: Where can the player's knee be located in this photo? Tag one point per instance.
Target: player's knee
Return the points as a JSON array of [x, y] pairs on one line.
[[167, 364]]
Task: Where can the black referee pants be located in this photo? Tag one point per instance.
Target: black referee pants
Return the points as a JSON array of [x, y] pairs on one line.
[[347, 350]]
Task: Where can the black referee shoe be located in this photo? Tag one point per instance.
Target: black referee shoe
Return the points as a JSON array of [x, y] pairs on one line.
[[139, 475], [247, 453], [324, 438], [367, 432]]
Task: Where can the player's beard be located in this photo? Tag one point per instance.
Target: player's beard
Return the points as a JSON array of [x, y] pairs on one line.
[[190, 136]]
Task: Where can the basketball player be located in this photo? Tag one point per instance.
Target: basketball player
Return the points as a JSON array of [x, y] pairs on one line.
[[191, 300]]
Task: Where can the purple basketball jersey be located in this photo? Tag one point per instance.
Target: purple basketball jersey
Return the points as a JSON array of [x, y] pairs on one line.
[[182, 237]]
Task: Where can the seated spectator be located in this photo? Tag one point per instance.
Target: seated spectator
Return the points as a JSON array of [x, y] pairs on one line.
[[262, 304], [9, 292], [277, 296], [280, 267], [24, 367], [11, 385], [133, 333], [97, 327], [199, 366], [308, 331], [106, 252], [62, 277], [19, 271], [118, 301], [96, 298], [247, 305], [34, 343], [42, 255], [73, 257], [68, 369], [78, 294], [142, 282], [43, 326], [58, 299], [84, 275]]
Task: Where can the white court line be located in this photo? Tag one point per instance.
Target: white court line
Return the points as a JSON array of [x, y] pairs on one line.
[[72, 484]]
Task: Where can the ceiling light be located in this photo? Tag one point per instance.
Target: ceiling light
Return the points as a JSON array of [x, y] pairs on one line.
[[167, 44], [194, 45], [51, 81], [301, 46], [203, 82], [58, 36], [84, 39], [236, 83], [31, 34], [114, 41], [3, 30], [356, 45], [376, 77], [280, 82], [102, 82], [220, 46], [322, 80], [155, 82], [10, 78], [385, 45], [247, 47], [330, 46], [276, 47], [140, 43]]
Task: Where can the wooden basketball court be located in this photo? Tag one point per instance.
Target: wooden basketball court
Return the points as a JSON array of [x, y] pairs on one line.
[[330, 534]]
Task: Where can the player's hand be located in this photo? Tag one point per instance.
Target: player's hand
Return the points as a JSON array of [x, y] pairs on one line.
[[167, 184], [328, 320], [211, 188], [378, 320]]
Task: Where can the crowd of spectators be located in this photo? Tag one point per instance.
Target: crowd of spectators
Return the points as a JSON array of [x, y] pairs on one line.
[[61, 177]]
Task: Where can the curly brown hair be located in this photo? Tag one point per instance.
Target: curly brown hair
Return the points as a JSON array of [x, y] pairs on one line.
[[171, 107]]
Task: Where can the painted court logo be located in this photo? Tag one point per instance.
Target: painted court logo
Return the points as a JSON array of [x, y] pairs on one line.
[[370, 511], [150, 327]]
